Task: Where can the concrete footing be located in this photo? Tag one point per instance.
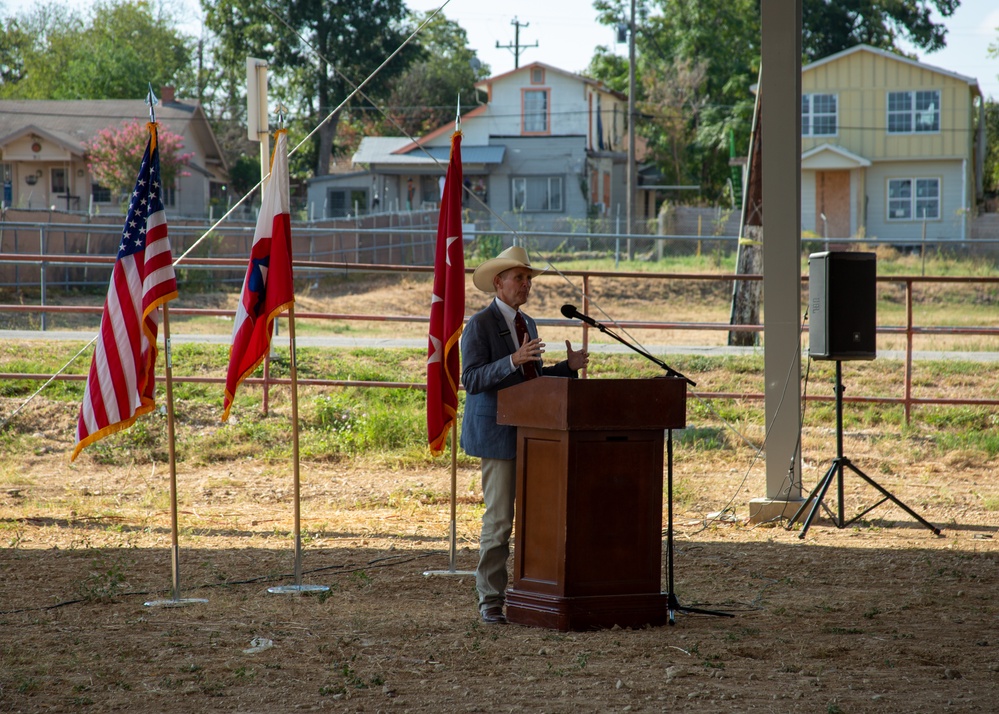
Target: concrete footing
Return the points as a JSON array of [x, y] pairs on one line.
[[762, 510]]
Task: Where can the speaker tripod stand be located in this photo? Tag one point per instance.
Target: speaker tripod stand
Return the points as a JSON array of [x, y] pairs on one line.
[[836, 471]]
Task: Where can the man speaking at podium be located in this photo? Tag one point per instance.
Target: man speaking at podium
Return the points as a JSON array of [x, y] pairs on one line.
[[500, 347]]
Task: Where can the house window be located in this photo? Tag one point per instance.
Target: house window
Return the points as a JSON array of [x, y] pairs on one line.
[[336, 204], [536, 194], [537, 75], [59, 181], [913, 112], [100, 194], [168, 194], [913, 199], [818, 115], [535, 111], [7, 179]]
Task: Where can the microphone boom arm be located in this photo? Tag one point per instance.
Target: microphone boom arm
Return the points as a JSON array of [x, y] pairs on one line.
[[670, 372]]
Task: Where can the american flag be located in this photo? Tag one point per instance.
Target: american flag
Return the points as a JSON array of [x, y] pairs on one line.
[[447, 308], [121, 385], [268, 289]]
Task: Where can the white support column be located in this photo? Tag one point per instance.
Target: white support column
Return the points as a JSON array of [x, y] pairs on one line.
[[782, 312], [257, 120]]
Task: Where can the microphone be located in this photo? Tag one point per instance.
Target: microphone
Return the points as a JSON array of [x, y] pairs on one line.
[[570, 311]]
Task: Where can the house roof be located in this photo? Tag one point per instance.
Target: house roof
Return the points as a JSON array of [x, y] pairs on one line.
[[443, 129], [970, 81], [56, 137], [549, 68], [71, 123], [385, 150], [832, 156]]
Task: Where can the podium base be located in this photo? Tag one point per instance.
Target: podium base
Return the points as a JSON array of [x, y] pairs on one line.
[[596, 612]]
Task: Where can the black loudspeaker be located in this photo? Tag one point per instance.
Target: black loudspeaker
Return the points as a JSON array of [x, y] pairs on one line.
[[842, 305]]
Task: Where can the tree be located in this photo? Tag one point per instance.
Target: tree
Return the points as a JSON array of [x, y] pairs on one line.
[[123, 48], [672, 98], [609, 69], [32, 65], [991, 169], [315, 50], [990, 172], [721, 40], [113, 155], [829, 27], [425, 95], [15, 45]]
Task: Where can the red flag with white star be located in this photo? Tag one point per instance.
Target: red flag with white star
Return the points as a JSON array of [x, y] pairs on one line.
[[447, 308]]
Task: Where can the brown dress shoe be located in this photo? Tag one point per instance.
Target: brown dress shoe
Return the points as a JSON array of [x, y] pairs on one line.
[[493, 615]]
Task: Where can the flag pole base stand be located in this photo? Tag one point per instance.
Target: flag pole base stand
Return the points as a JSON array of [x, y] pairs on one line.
[[176, 602], [298, 589], [430, 573]]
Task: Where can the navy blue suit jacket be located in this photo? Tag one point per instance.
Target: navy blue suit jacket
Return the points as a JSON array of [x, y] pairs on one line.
[[486, 346]]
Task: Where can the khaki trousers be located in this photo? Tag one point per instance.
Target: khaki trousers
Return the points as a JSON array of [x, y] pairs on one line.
[[499, 489]]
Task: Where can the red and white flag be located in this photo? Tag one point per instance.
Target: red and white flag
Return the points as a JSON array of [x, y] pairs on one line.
[[121, 385], [268, 289], [447, 308]]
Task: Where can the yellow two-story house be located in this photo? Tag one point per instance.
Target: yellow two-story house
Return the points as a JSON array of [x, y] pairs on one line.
[[890, 148]]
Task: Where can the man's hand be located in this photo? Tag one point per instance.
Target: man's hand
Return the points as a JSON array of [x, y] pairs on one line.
[[530, 351], [577, 358]]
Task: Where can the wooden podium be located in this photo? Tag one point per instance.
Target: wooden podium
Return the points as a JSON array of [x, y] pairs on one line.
[[589, 514]]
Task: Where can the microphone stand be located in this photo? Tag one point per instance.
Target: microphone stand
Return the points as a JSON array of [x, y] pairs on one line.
[[670, 372], [673, 605]]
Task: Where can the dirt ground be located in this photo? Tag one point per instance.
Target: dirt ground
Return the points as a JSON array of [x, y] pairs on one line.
[[880, 616]]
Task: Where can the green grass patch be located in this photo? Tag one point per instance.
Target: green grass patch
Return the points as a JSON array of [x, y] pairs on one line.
[[986, 442]]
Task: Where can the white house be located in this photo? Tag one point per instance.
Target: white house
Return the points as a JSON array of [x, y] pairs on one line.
[[545, 148]]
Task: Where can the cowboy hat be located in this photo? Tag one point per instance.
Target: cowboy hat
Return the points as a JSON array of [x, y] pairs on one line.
[[513, 257]]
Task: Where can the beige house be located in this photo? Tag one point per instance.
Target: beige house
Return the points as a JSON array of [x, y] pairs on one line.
[[890, 148], [43, 162]]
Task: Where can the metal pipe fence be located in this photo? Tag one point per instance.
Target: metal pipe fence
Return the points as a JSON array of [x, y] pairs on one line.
[[910, 330]]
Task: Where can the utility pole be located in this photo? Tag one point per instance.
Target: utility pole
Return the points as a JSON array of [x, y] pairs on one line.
[[516, 47]]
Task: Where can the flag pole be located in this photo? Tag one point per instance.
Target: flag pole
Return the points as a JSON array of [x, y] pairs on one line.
[[299, 586], [168, 378], [297, 490], [454, 494], [175, 599], [453, 530], [453, 546]]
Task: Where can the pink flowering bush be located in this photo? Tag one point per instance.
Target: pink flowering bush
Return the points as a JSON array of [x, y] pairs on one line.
[[115, 154]]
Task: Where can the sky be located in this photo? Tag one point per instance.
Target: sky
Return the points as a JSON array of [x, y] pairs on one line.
[[566, 32]]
